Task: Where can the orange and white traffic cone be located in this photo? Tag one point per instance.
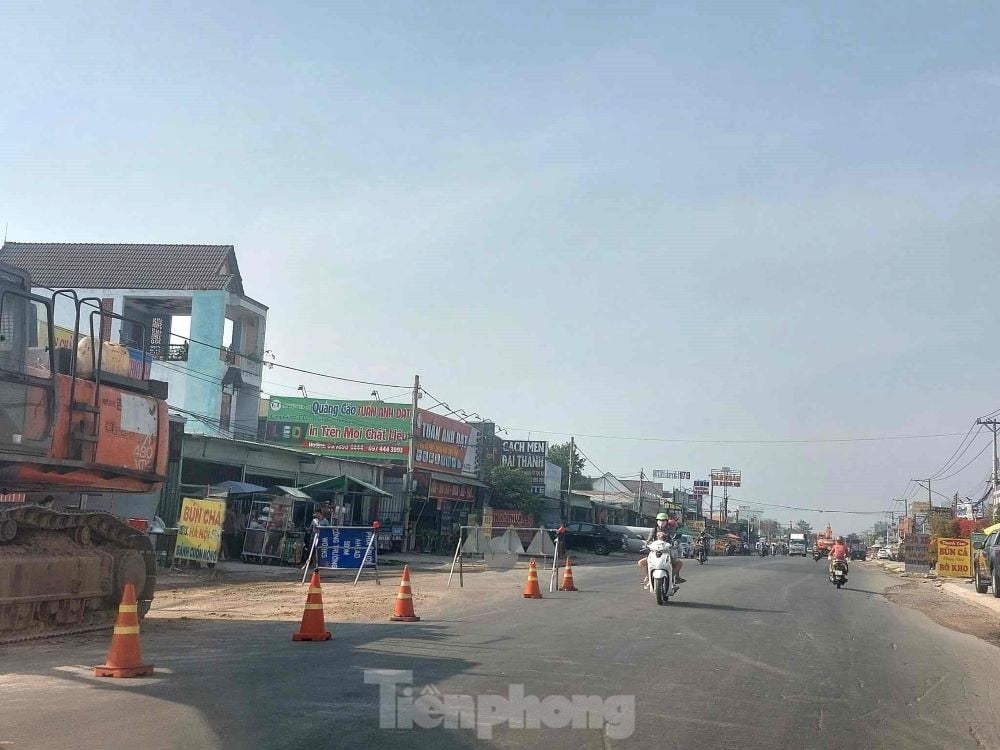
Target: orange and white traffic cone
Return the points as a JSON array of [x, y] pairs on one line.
[[567, 581], [125, 655], [403, 611], [531, 590], [313, 628]]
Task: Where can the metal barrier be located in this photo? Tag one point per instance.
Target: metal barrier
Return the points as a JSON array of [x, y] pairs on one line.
[[503, 547]]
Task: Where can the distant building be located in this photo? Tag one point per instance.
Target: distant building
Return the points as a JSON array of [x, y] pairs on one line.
[[182, 304]]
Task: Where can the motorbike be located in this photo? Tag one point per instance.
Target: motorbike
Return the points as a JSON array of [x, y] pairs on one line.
[[838, 574], [763, 551], [702, 554], [660, 571]]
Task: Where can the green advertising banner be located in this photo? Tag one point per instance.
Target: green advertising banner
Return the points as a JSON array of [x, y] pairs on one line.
[[347, 429]]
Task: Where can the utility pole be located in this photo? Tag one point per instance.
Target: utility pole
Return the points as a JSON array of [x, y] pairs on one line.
[[638, 497], [410, 479], [569, 479], [725, 504], [993, 424], [711, 501]]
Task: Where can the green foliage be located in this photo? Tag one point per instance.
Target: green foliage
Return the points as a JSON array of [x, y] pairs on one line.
[[803, 527], [511, 488], [559, 454]]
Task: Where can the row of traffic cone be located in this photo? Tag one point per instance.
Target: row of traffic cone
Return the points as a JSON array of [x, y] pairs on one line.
[[125, 655], [531, 589]]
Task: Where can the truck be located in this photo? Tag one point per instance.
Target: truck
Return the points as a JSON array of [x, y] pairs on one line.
[[76, 418], [797, 544]]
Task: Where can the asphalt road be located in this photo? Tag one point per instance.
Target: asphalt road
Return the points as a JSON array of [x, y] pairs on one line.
[[752, 652]]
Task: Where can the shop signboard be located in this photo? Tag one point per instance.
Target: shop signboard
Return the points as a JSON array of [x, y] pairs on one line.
[[954, 558], [199, 530], [451, 491], [502, 518], [695, 526], [701, 487], [346, 429], [916, 553], [529, 457], [343, 547]]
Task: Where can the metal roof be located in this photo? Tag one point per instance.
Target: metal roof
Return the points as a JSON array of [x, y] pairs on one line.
[[87, 265]]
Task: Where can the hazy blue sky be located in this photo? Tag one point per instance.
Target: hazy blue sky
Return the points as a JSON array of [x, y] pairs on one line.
[[728, 221]]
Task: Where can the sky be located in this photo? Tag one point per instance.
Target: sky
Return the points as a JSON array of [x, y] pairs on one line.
[[675, 221]]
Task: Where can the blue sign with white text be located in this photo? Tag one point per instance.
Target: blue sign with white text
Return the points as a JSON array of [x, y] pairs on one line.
[[340, 547]]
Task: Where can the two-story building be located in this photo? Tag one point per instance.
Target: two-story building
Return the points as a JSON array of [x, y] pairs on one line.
[[182, 304]]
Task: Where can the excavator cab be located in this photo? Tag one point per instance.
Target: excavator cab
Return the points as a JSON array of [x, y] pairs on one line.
[[81, 416], [27, 367]]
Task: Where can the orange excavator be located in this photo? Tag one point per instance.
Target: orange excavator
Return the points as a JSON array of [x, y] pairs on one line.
[[824, 542], [73, 419]]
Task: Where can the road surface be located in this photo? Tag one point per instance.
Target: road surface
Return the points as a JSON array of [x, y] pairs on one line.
[[752, 653]]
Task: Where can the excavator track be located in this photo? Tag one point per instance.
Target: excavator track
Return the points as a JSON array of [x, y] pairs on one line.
[[62, 573]]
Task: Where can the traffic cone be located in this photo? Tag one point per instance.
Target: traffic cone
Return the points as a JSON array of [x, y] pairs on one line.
[[313, 628], [531, 590], [567, 582], [403, 611], [125, 655]]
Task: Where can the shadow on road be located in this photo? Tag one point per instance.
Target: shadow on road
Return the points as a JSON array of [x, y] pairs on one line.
[[724, 607]]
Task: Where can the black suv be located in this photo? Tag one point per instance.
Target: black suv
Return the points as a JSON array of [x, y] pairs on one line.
[[595, 537]]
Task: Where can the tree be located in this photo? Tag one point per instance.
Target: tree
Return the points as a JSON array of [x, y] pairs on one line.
[[803, 527], [559, 454], [510, 487]]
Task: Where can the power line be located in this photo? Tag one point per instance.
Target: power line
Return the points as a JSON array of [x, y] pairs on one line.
[[956, 455], [955, 474], [740, 442]]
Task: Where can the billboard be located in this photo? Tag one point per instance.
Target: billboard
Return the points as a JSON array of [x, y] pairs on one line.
[[553, 479], [954, 558], [347, 429], [668, 474], [529, 457], [726, 477], [701, 487], [445, 445]]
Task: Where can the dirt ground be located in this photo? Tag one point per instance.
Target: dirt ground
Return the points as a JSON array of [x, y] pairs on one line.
[[925, 596], [203, 596]]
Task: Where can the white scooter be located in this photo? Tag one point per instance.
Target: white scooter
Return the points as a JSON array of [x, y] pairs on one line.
[[660, 571]]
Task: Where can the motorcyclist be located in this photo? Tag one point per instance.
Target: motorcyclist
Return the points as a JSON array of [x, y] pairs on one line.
[[703, 542], [839, 551], [668, 526]]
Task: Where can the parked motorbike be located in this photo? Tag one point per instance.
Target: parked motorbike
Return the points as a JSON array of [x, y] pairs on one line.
[[838, 574], [660, 571]]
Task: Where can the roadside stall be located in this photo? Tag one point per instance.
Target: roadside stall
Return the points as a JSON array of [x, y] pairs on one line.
[[275, 530]]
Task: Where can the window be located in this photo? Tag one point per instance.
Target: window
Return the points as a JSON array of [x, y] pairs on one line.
[[587, 528], [574, 527]]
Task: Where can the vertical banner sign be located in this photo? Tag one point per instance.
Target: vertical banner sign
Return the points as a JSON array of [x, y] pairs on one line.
[[199, 530], [954, 558], [341, 547]]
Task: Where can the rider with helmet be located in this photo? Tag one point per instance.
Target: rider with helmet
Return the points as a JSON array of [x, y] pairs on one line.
[[839, 551], [668, 527]]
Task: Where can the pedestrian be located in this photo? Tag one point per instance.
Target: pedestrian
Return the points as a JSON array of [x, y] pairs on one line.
[[228, 533]]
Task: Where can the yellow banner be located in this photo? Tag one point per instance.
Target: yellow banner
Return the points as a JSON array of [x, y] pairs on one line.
[[698, 526], [199, 530], [954, 558]]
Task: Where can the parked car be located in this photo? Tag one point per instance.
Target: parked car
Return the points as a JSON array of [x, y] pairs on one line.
[[986, 564], [633, 537], [595, 537], [883, 554]]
